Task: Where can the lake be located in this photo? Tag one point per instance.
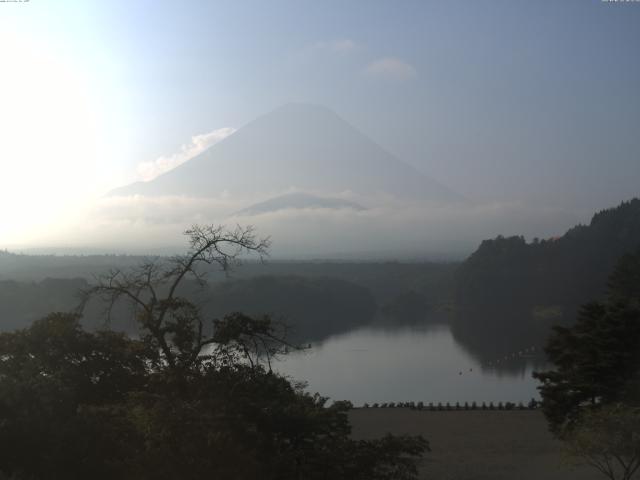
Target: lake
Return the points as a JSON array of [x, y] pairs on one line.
[[406, 364]]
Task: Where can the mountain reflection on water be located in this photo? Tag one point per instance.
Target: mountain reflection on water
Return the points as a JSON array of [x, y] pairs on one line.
[[417, 363]]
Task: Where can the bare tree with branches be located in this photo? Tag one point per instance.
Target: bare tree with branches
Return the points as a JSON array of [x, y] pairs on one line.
[[178, 403], [172, 324], [607, 439]]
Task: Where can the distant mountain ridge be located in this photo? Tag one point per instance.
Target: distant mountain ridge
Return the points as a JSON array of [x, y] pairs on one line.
[[299, 147]]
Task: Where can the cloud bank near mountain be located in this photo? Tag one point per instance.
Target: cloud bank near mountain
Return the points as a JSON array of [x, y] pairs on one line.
[[199, 143], [387, 230]]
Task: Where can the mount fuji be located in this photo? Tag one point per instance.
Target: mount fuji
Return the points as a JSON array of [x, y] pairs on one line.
[[297, 148]]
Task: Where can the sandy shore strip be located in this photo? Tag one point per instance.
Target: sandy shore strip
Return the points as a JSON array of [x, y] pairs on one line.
[[476, 445]]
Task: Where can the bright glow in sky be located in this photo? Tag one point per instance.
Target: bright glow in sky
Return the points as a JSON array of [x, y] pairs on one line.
[[53, 124], [49, 129], [530, 102]]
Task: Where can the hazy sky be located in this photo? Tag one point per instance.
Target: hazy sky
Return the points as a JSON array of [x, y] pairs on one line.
[[527, 101]]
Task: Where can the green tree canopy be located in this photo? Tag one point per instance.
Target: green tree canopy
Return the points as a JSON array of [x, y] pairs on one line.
[[597, 360]]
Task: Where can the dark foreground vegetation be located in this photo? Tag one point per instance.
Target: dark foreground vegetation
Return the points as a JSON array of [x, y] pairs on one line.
[[591, 398], [190, 398]]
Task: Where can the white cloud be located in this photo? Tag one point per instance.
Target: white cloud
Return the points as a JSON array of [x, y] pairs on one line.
[[391, 67], [199, 143], [341, 46], [388, 229], [403, 230]]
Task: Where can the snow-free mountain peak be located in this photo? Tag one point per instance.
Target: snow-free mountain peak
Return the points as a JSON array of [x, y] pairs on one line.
[[299, 147]]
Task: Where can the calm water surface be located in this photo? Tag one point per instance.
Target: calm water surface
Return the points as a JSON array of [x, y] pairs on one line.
[[399, 365]]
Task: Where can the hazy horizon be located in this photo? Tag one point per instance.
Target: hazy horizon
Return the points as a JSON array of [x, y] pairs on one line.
[[527, 111]]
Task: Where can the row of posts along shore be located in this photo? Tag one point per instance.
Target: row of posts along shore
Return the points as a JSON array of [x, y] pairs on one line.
[[444, 407]]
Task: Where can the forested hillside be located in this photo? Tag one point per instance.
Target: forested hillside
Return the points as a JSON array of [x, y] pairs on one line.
[[513, 291], [316, 298]]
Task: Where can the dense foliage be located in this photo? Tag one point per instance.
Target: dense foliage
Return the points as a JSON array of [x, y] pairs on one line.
[[315, 307], [79, 405], [316, 299], [597, 360], [23, 302], [191, 398], [515, 290]]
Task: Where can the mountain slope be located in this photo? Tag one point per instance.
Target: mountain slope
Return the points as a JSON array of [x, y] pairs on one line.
[[297, 146]]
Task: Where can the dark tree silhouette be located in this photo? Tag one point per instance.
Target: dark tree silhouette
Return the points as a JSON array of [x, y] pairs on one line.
[[183, 400], [598, 359], [170, 321]]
